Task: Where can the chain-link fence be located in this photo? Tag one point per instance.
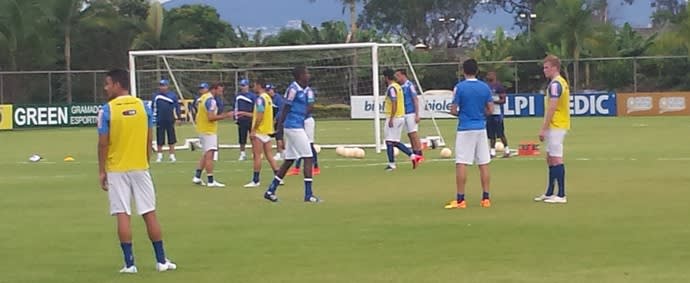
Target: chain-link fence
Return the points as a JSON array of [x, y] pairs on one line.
[[631, 74]]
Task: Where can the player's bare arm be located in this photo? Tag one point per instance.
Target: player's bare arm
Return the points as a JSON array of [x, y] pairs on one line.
[[283, 114], [489, 108], [551, 110], [415, 100], [501, 98], [149, 144], [103, 142]]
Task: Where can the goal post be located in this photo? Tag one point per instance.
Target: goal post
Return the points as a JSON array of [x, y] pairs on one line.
[[341, 74]]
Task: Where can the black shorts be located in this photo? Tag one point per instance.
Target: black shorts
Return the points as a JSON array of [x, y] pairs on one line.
[[165, 128], [243, 128], [494, 127]]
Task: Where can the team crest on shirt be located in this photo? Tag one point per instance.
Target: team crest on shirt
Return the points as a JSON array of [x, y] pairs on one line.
[[130, 112]]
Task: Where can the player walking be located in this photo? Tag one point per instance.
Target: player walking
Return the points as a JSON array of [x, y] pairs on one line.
[[299, 100], [494, 125], [472, 103], [166, 108], [555, 127], [124, 147], [394, 108], [262, 128], [412, 117], [207, 128]]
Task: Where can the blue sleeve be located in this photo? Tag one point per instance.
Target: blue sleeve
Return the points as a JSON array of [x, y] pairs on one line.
[[103, 122], [210, 105], [153, 102], [555, 90], [260, 105], [176, 105], [413, 90], [311, 96], [290, 96], [391, 94], [456, 96], [149, 114]]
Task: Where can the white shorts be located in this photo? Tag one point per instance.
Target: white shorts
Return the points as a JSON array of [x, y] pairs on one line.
[[208, 142], [472, 147], [410, 124], [554, 142], [296, 144], [310, 127], [122, 186], [263, 138], [393, 134]]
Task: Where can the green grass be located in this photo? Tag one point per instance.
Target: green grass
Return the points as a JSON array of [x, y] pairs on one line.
[[627, 220]]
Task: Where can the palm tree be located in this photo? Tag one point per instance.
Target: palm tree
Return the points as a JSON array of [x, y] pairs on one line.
[[152, 28], [351, 5], [20, 25], [67, 14]]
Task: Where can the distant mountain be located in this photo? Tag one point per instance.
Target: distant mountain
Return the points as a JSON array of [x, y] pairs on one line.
[[272, 15]]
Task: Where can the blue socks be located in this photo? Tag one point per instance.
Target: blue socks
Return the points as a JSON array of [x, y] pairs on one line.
[[197, 173], [274, 185], [210, 178], [255, 178], [485, 195], [160, 253], [556, 174], [307, 188], [389, 152], [127, 253], [460, 197], [314, 156], [403, 148]]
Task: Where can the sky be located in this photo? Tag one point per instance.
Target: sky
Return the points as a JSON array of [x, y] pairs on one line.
[[277, 14]]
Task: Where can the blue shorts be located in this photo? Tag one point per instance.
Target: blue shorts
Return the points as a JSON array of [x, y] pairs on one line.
[[163, 130], [494, 127]]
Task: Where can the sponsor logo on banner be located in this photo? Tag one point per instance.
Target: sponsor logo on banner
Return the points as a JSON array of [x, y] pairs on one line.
[[642, 103], [593, 104], [55, 115], [671, 104], [6, 117]]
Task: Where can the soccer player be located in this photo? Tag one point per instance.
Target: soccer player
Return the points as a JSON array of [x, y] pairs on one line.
[[277, 99], [472, 103], [310, 128], [394, 108], [554, 128], [262, 128], [299, 100], [244, 106], [494, 125], [207, 127], [194, 106], [411, 111], [166, 108], [124, 147]]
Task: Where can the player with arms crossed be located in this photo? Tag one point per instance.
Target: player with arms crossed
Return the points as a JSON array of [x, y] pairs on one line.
[[495, 126], [472, 103], [277, 99], [124, 147], [299, 100], [394, 108], [207, 127], [553, 130], [166, 109], [244, 106], [262, 128], [411, 111]]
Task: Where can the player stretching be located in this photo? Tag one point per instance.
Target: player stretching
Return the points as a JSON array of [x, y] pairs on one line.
[[309, 127], [277, 99], [394, 108], [495, 125], [167, 109], [299, 100], [472, 103], [411, 111], [124, 148], [262, 128], [553, 130], [207, 127]]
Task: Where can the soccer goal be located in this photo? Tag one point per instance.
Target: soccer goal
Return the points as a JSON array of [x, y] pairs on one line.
[[345, 77]]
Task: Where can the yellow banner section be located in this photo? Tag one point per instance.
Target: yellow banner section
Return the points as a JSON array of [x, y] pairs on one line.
[[6, 117], [654, 104]]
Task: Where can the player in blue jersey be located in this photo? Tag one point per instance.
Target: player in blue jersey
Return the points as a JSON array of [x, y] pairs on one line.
[[494, 125], [298, 103], [277, 107], [472, 103], [412, 117], [166, 109], [310, 128]]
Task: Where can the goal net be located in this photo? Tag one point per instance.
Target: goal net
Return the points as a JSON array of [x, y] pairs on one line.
[[345, 77]]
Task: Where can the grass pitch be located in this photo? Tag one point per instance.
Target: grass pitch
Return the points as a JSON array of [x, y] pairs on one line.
[[627, 221]]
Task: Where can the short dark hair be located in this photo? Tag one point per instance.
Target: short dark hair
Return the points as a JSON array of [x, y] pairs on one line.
[[261, 82], [470, 67], [119, 76], [217, 85], [298, 71], [402, 71], [389, 73]]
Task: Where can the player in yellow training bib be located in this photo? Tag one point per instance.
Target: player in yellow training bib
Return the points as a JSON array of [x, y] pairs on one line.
[[261, 131], [124, 147], [394, 110], [207, 118], [554, 128]]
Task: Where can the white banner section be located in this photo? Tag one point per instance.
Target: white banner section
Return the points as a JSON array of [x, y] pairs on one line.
[[435, 103]]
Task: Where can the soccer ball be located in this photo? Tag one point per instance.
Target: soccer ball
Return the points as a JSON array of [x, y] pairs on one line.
[[35, 158], [446, 153], [317, 148], [396, 151], [340, 151], [499, 146], [359, 153]]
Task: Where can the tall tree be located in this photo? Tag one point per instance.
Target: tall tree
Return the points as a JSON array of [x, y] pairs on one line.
[[24, 30], [351, 6], [151, 29], [66, 13], [197, 26]]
